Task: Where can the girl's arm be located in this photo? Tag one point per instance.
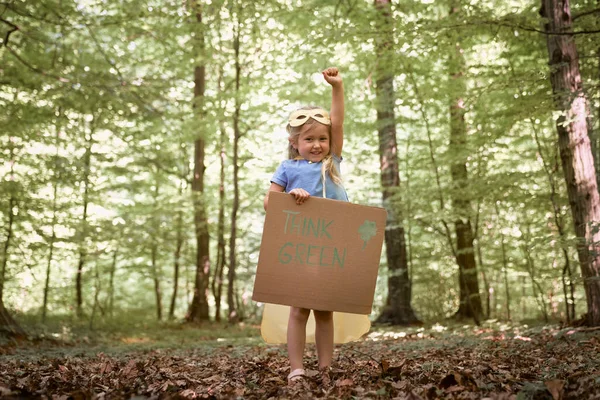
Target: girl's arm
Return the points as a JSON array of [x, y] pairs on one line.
[[301, 195], [333, 77], [274, 188]]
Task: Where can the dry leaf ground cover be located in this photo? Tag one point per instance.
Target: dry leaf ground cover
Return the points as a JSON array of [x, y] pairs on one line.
[[220, 362]]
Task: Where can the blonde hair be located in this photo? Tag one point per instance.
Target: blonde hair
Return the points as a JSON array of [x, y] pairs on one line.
[[327, 166]]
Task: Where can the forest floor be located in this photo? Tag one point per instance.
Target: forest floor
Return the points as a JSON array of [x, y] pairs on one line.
[[217, 361]]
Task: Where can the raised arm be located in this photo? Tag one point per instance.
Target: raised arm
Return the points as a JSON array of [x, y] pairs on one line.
[[333, 77]]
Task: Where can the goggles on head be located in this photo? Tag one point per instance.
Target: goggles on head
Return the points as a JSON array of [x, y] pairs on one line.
[[299, 117]]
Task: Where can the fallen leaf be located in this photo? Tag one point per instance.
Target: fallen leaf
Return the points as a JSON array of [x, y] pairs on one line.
[[556, 388], [130, 369], [456, 388], [213, 378], [311, 373], [403, 384], [106, 368], [385, 365], [189, 393]]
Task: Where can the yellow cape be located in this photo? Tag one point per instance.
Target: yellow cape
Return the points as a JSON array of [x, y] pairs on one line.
[[347, 327]]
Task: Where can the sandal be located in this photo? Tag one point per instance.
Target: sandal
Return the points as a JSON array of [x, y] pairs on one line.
[[296, 375]]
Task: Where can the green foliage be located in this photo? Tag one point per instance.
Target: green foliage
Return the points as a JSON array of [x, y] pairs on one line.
[[97, 101]]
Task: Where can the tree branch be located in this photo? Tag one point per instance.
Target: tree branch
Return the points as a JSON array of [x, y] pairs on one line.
[[114, 65], [583, 14], [35, 69], [523, 28], [14, 28]]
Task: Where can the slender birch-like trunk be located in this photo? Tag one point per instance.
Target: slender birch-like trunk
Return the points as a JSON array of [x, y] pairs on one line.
[[234, 312]]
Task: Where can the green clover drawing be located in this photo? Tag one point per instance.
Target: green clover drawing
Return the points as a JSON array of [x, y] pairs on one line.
[[366, 231]]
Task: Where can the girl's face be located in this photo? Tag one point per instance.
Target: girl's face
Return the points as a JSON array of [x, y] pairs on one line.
[[313, 142]]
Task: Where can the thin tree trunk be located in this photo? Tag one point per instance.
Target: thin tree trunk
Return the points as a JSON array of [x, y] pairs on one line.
[[176, 266], [568, 289], [409, 211], [50, 257], [178, 246], [486, 284], [55, 185], [8, 326], [97, 290], [398, 309], [234, 313], [538, 294], [217, 282], [504, 265], [155, 268], [198, 310], [156, 279], [594, 134], [87, 162], [111, 282], [575, 148], [568, 285], [440, 193]]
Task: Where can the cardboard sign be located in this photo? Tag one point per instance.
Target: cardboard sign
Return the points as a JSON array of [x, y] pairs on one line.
[[322, 255]]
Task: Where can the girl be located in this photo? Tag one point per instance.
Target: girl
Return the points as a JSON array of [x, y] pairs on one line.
[[316, 138]]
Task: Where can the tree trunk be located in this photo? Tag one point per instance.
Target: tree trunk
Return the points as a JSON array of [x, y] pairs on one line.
[[575, 148], [538, 291], [55, 185], [111, 282], [97, 289], [470, 300], [176, 266], [486, 284], [234, 315], [217, 283], [87, 160], [49, 263], [504, 265], [397, 309], [156, 279], [178, 245], [567, 274], [8, 326], [594, 134], [199, 307]]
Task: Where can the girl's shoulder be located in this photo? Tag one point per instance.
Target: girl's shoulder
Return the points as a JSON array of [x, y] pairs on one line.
[[293, 162]]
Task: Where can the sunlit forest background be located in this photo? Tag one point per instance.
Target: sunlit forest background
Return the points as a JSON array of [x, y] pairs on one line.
[[138, 139]]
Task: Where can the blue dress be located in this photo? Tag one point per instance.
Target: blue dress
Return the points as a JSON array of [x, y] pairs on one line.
[[293, 174]]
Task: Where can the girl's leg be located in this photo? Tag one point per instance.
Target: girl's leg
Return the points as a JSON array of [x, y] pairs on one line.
[[296, 336], [324, 337]]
